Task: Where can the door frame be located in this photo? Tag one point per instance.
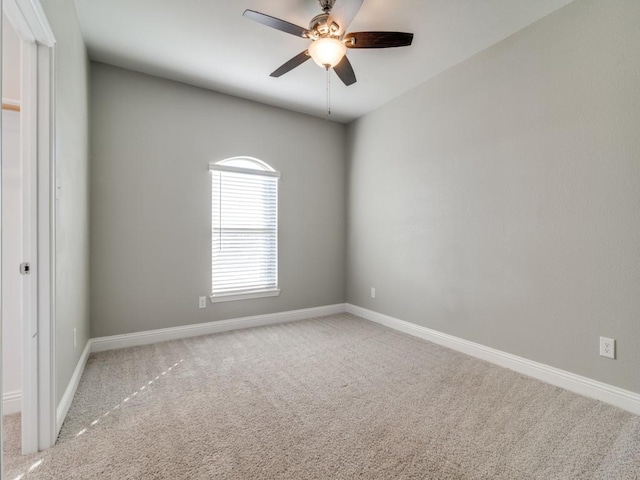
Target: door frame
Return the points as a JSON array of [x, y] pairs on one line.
[[39, 428], [1, 367]]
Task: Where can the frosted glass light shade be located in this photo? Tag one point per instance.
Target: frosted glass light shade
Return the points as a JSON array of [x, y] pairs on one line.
[[327, 51]]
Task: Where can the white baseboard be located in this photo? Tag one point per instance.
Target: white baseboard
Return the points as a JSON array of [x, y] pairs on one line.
[[67, 398], [618, 397], [154, 336], [11, 402]]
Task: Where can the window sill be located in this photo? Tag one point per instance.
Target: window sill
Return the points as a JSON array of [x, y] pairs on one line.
[[244, 296]]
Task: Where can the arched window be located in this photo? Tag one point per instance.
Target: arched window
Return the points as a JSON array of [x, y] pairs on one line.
[[244, 229]]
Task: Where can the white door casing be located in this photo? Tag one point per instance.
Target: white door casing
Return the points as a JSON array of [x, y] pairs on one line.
[[1, 379]]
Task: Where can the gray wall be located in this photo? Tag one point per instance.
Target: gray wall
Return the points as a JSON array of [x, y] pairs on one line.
[[500, 201], [72, 223], [152, 140]]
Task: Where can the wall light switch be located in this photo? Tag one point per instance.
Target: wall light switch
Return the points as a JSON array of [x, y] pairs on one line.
[[373, 292], [202, 302], [607, 347]]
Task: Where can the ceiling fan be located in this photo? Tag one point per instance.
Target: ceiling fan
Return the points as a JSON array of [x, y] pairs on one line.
[[329, 40]]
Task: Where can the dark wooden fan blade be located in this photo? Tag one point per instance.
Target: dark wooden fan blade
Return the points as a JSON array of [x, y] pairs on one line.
[[345, 72], [276, 23], [378, 39], [343, 13], [291, 64]]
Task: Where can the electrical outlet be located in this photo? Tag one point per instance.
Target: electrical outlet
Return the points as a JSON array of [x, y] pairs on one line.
[[202, 302], [75, 338], [607, 347], [373, 292]]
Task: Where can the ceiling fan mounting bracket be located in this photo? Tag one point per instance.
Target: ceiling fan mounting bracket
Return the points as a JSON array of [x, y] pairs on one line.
[[326, 5]]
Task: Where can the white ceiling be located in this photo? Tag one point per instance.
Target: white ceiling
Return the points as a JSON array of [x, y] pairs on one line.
[[209, 44]]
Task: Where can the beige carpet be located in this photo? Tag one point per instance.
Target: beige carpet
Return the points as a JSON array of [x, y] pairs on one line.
[[329, 398]]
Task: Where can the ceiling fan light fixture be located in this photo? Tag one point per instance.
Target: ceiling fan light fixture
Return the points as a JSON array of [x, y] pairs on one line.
[[327, 52]]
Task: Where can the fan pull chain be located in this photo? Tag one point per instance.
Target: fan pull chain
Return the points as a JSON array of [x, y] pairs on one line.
[[328, 94]]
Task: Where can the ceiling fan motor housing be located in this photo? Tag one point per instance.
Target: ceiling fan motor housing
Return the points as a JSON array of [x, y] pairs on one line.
[[319, 27]]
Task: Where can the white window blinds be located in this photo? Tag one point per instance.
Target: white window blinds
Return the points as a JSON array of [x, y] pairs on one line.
[[244, 227]]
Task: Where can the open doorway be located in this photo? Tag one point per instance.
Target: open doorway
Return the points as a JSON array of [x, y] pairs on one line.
[[28, 397]]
